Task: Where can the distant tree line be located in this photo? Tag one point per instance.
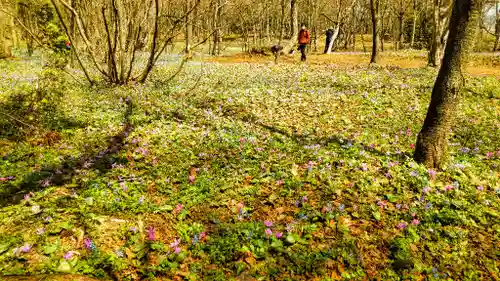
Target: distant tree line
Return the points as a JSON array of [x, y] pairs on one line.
[[257, 23]]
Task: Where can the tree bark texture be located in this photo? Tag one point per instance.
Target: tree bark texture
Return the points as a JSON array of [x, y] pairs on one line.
[[374, 9], [432, 141]]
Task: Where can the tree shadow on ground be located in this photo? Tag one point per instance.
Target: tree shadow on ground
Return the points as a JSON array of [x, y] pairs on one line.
[[242, 114], [63, 174], [34, 112]]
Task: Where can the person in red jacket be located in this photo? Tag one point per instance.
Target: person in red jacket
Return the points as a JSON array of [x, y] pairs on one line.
[[304, 39]]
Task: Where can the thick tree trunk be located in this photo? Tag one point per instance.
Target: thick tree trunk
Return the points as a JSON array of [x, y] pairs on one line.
[[432, 141], [374, 9]]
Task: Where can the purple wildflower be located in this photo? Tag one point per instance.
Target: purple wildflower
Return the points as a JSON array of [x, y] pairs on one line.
[[310, 165], [432, 173], [27, 196], [124, 186], [89, 245], [178, 208], [426, 190], [489, 154], [177, 250], [141, 200], [480, 188], [133, 229], [415, 222], [151, 233], [341, 207], [278, 235], [45, 182], [398, 206], [68, 255], [175, 243], [26, 248], [40, 230], [304, 199], [268, 223], [191, 179], [364, 167], [414, 173], [402, 225], [268, 232], [428, 206]]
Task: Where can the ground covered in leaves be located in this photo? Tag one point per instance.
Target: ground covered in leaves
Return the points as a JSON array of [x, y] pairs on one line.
[[245, 172]]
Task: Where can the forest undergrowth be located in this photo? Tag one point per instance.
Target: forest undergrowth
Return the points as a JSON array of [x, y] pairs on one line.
[[245, 172]]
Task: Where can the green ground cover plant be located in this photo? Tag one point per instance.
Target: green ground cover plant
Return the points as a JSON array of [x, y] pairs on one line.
[[245, 172]]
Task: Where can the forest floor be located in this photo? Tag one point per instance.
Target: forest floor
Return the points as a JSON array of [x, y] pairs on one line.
[[482, 64], [245, 171]]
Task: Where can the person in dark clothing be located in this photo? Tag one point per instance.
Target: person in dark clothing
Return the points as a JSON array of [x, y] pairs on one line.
[[276, 50], [304, 39], [329, 35]]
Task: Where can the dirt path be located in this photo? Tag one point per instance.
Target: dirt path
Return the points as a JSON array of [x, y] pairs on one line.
[[481, 64]]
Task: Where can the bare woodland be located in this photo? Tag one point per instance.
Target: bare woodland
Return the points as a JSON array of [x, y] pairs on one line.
[[108, 33]]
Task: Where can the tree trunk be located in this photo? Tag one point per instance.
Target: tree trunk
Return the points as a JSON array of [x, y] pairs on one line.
[[374, 8], [294, 21], [282, 20], [363, 42], [434, 44], [72, 29], [497, 26], [401, 31], [432, 141], [216, 25], [414, 27], [334, 38], [5, 36], [189, 28]]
